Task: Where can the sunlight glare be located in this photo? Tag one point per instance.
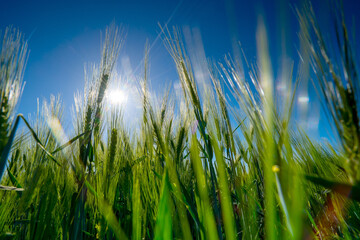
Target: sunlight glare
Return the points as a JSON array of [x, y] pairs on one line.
[[117, 96]]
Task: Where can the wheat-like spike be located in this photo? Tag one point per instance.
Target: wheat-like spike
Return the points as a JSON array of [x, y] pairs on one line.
[[4, 122], [13, 57], [338, 83], [110, 159]]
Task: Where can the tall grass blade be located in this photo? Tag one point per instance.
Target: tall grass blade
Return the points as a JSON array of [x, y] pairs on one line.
[[163, 227]]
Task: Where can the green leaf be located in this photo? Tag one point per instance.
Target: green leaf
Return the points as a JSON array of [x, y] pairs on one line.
[[6, 150], [71, 141], [163, 228], [14, 181], [137, 209]]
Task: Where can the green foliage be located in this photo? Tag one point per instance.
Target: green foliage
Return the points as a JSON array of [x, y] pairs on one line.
[[208, 168]]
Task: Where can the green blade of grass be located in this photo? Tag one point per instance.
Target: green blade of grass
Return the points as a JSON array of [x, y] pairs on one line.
[[163, 227], [226, 203], [282, 201], [137, 210], [206, 209], [71, 141], [7, 148]]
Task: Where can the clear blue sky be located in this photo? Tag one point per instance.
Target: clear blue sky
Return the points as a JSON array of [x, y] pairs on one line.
[[63, 35]]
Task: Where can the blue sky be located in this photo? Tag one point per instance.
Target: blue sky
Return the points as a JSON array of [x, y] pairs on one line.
[[64, 35]]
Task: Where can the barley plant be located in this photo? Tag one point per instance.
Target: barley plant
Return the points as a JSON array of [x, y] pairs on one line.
[[224, 161]]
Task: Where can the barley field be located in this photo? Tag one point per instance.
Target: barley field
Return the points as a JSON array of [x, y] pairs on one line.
[[226, 161]]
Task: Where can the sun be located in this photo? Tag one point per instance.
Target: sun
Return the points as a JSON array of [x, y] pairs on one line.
[[117, 96]]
